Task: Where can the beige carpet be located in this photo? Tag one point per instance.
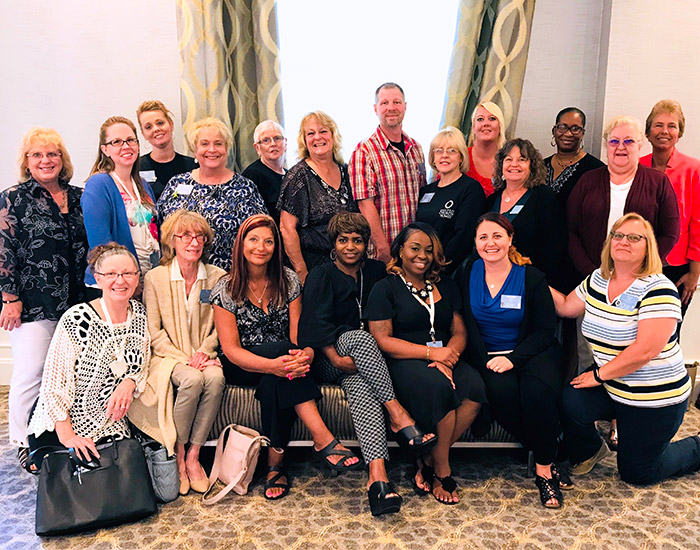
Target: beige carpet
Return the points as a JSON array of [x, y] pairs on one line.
[[500, 509]]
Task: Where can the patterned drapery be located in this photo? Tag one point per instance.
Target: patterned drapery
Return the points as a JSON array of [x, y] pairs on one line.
[[229, 62], [488, 60]]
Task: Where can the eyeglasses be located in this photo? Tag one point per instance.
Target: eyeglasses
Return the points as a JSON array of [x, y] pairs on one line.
[[111, 275], [631, 237], [51, 155], [563, 128], [268, 141], [614, 142], [119, 142], [450, 151], [187, 238]]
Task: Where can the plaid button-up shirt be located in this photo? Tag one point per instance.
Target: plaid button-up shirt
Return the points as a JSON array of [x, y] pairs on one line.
[[380, 171]]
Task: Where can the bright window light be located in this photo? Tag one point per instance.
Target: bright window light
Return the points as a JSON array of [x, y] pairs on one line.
[[334, 55]]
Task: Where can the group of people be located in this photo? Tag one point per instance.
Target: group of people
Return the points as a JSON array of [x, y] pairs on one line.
[[434, 306]]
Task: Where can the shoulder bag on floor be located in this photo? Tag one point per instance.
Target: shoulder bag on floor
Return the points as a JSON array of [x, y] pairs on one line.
[[75, 496], [237, 453]]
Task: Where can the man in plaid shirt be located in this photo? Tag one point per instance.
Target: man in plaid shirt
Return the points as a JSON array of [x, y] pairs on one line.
[[386, 172]]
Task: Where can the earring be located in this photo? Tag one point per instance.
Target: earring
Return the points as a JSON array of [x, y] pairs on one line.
[[581, 146], [554, 143], [333, 255]]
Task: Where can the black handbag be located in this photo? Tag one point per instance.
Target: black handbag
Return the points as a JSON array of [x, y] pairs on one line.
[[75, 496]]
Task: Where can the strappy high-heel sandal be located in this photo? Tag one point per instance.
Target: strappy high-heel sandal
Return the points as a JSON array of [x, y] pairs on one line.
[[549, 489], [562, 477]]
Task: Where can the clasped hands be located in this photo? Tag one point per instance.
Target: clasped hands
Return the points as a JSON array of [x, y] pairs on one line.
[[294, 365]]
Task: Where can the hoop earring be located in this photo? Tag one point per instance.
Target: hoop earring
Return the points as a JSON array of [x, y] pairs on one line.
[[581, 146], [333, 255], [554, 143]]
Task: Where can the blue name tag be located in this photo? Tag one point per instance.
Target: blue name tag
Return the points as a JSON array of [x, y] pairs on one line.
[[427, 197], [510, 302], [516, 209], [204, 296], [436, 344], [626, 302]]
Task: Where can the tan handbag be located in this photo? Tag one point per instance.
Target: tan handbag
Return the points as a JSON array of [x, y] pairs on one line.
[[236, 456]]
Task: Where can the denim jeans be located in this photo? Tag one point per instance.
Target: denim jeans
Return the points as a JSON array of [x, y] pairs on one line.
[[645, 454]]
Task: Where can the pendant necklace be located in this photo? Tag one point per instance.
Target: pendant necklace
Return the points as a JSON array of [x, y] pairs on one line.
[[260, 299]]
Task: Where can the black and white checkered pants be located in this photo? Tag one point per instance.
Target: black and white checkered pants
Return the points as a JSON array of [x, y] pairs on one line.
[[365, 390]]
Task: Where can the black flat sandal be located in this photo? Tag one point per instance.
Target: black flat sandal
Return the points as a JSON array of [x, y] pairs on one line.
[[379, 502], [329, 450], [273, 482], [562, 477], [449, 485], [23, 457], [427, 473], [549, 489], [410, 439]]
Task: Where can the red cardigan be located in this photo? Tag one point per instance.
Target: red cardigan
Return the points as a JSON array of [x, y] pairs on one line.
[[588, 208]]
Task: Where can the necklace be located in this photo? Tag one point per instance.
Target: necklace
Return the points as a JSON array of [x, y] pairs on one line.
[[423, 293], [507, 198], [564, 165], [64, 200], [260, 299]]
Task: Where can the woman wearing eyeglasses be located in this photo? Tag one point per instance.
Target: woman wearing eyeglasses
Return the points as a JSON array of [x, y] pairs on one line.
[[639, 376], [42, 263], [605, 194], [570, 162], [452, 203], [185, 379], [267, 172], [118, 206]]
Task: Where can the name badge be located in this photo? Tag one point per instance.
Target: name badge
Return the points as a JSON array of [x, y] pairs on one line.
[[427, 197], [510, 302], [626, 302], [148, 175], [205, 296], [184, 188], [436, 344], [516, 209]]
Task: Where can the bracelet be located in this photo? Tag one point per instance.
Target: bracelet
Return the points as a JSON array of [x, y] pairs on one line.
[[427, 352], [11, 301], [596, 375]]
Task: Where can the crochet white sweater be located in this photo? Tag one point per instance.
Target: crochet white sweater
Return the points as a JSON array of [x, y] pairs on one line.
[[77, 379]]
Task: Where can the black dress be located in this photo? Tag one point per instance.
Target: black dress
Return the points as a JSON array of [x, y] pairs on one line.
[[268, 183], [425, 392]]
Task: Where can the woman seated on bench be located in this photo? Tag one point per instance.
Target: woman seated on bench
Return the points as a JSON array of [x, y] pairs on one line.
[[332, 322], [256, 313]]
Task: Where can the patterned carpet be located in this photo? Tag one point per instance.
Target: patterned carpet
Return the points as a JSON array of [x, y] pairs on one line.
[[499, 510]]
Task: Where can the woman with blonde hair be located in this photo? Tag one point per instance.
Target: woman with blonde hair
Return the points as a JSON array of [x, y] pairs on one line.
[[42, 263], [486, 136], [631, 311], [163, 162], [313, 191], [185, 381], [225, 199]]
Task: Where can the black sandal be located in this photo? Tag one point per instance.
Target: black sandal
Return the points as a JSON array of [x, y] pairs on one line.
[[562, 477], [379, 502], [273, 482], [410, 439], [335, 468], [426, 472], [449, 485], [23, 457], [549, 489]]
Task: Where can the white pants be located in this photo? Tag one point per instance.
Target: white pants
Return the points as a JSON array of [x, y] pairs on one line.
[[30, 344]]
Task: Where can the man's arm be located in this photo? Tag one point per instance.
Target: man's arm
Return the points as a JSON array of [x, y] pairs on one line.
[[369, 210]]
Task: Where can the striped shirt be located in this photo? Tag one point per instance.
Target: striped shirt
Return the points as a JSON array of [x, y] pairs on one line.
[[610, 327], [380, 171]]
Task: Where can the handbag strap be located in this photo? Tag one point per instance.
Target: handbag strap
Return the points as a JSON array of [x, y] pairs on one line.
[[214, 476]]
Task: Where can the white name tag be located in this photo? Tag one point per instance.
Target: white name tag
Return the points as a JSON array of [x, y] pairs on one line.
[[626, 302], [427, 197], [184, 188], [510, 302], [516, 209], [436, 344], [148, 175]]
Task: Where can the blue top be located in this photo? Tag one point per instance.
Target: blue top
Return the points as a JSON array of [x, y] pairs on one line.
[[105, 215], [498, 318]]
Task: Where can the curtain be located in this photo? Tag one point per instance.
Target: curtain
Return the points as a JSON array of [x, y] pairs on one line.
[[488, 60], [229, 66]]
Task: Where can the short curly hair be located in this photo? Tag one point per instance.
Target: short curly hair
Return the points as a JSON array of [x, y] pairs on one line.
[[538, 171]]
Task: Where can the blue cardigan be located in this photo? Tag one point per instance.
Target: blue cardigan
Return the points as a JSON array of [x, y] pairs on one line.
[[105, 215]]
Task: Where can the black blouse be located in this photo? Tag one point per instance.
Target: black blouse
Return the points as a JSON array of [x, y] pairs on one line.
[[565, 182], [390, 299], [330, 302], [43, 253]]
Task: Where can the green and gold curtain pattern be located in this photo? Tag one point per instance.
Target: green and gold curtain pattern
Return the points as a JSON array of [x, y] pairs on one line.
[[488, 60], [229, 66]]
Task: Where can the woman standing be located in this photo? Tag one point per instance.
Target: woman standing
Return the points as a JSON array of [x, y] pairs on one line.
[[42, 261], [313, 191], [181, 324], [256, 313], [162, 163], [415, 318], [119, 207], [486, 137], [451, 204], [222, 197]]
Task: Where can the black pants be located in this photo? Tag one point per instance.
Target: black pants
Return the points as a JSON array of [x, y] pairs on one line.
[[674, 273], [277, 395]]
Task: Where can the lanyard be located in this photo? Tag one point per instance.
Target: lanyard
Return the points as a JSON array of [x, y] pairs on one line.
[[359, 302], [136, 198], [118, 350], [429, 307]]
